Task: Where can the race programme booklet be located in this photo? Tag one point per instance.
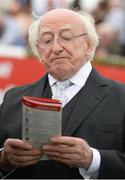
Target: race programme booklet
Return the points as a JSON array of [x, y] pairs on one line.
[[42, 119]]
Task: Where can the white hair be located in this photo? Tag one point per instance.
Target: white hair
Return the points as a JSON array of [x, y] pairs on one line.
[[33, 36], [88, 23]]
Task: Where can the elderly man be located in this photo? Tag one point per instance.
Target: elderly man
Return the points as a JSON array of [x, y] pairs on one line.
[[93, 109]]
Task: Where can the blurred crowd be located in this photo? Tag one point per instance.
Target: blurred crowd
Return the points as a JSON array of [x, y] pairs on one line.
[[17, 15]]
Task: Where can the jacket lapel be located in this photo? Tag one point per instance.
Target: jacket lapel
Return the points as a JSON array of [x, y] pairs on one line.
[[89, 98], [37, 89]]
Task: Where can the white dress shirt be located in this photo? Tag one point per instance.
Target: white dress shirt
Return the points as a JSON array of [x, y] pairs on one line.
[[79, 80]]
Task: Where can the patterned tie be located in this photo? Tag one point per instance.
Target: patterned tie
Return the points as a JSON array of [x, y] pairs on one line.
[[61, 90]]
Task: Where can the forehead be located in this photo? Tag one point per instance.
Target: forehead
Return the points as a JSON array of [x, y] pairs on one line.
[[60, 19]]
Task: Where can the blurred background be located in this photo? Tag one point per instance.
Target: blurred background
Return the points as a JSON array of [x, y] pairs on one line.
[[18, 66]]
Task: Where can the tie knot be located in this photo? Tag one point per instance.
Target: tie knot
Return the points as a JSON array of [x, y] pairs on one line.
[[60, 93], [64, 84]]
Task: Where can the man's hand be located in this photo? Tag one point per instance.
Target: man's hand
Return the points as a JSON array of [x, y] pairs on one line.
[[69, 150], [17, 153]]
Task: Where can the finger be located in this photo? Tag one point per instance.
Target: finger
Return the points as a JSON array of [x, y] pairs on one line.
[[58, 148], [65, 161], [16, 164], [28, 163], [66, 140], [60, 155], [24, 159], [33, 152], [18, 144]]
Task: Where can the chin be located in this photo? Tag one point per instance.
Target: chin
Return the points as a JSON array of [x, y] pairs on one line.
[[60, 75]]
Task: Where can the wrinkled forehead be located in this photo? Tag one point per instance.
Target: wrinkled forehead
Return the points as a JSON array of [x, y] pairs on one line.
[[60, 19]]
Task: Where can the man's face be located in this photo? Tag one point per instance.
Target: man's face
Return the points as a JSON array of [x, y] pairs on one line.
[[63, 43]]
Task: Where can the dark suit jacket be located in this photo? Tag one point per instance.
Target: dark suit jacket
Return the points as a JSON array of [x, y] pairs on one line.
[[96, 114]]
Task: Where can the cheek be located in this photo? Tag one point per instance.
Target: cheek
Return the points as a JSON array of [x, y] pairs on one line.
[[76, 52], [72, 52], [78, 57], [45, 59], [46, 54]]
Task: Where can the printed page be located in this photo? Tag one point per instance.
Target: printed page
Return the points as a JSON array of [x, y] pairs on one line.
[[39, 125]]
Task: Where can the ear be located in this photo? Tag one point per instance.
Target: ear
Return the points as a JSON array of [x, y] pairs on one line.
[[89, 46]]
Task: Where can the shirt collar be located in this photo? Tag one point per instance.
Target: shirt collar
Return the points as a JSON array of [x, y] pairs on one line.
[[79, 78]]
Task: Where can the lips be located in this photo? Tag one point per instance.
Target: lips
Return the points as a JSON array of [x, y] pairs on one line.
[[58, 58]]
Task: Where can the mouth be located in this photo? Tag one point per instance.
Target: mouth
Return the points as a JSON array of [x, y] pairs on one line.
[[58, 58]]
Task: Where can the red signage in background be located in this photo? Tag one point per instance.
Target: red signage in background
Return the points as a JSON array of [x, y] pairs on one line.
[[113, 72], [20, 71]]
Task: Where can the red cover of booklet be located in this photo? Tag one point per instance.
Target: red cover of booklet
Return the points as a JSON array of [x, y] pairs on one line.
[[42, 103]]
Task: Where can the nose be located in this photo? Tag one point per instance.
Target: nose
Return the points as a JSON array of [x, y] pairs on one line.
[[57, 47]]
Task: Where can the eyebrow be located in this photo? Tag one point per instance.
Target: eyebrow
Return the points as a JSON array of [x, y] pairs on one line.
[[65, 28], [68, 27], [44, 30]]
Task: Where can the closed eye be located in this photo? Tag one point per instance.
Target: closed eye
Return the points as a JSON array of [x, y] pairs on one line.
[[47, 41], [66, 38]]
